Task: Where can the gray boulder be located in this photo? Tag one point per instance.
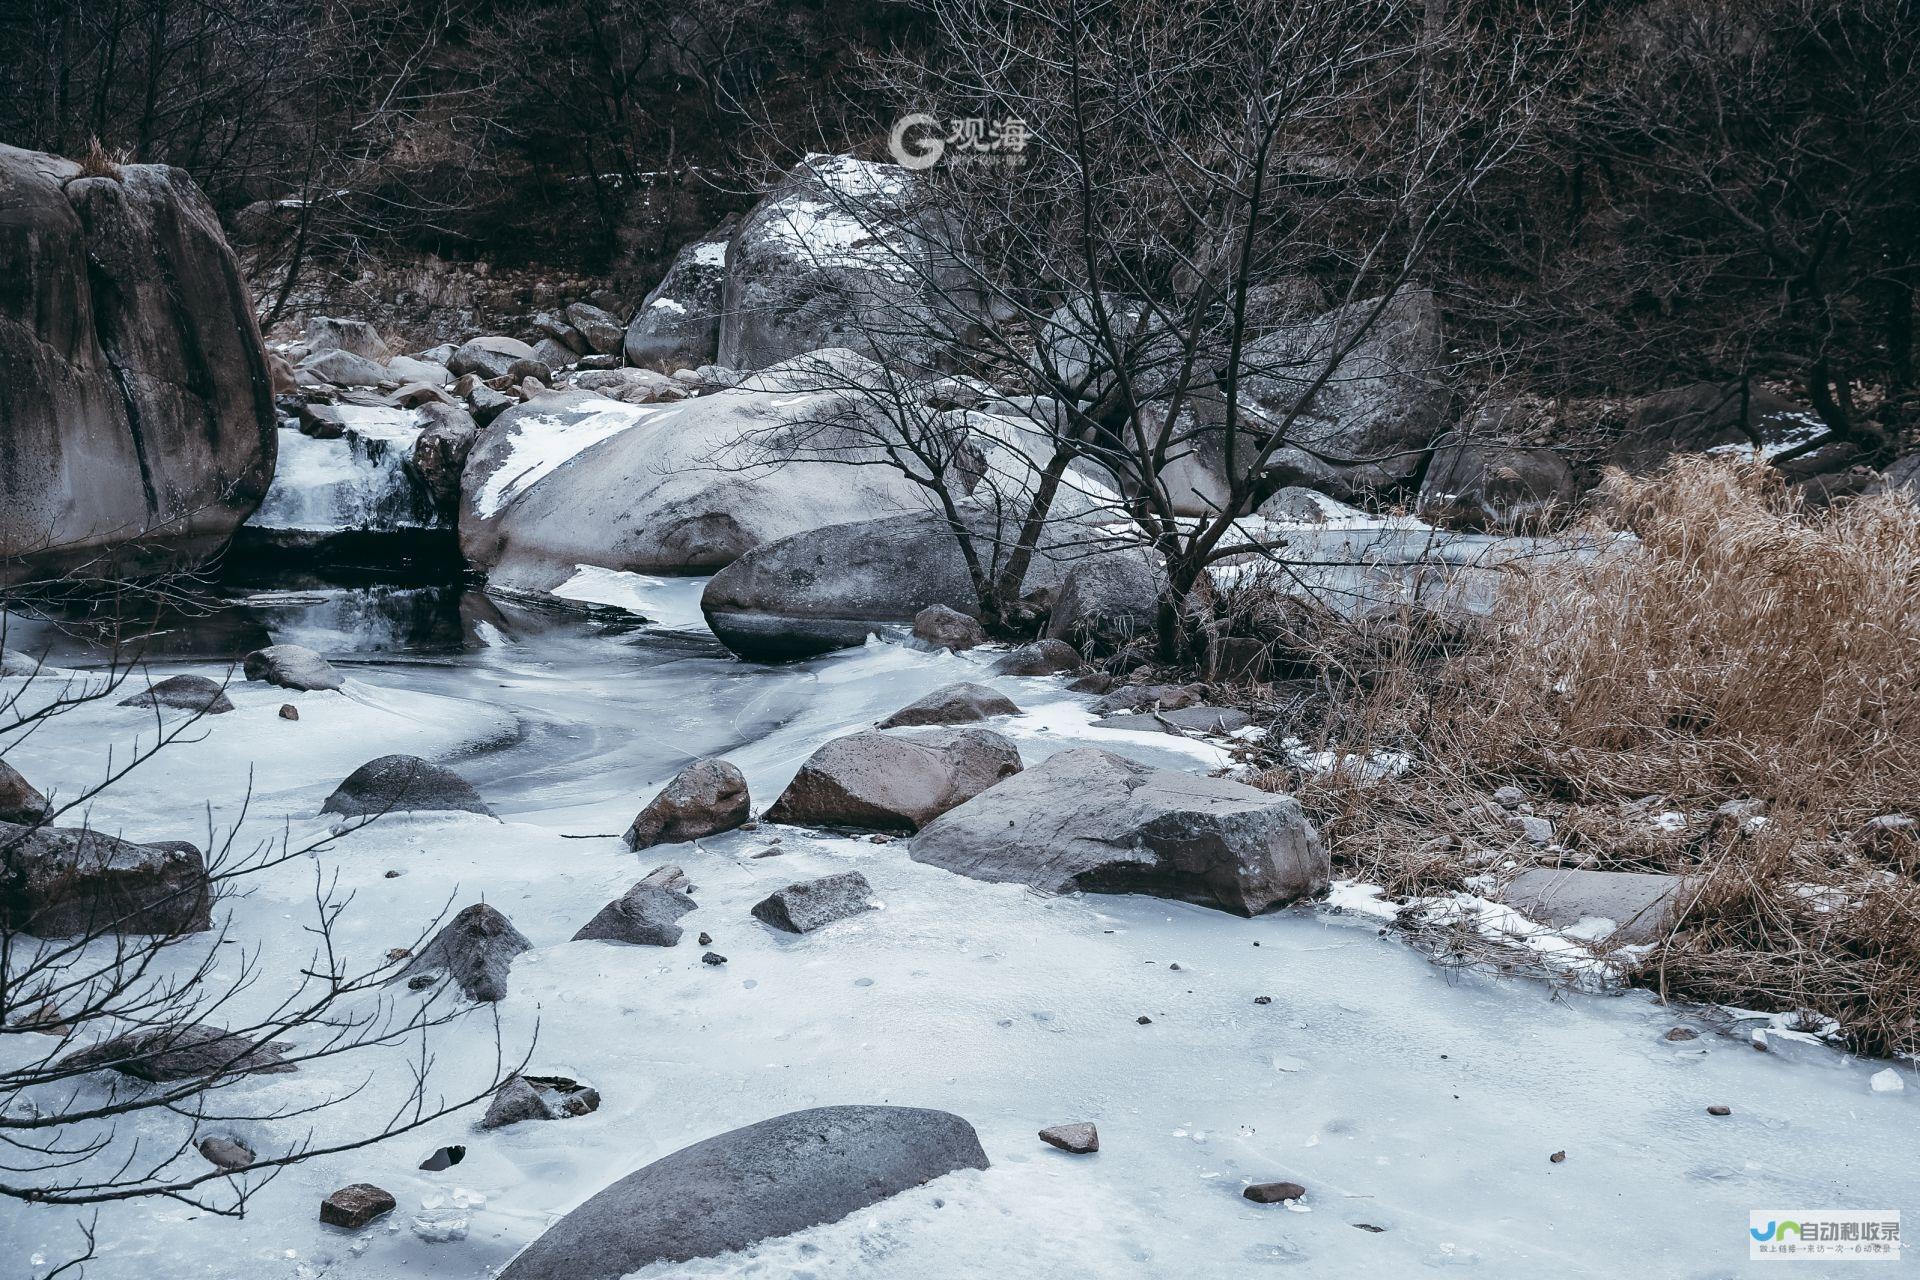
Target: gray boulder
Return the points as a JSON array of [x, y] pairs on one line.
[[1369, 425], [399, 784], [644, 916], [341, 369], [291, 666], [678, 326], [440, 455], [475, 949], [807, 905], [19, 801], [893, 782], [70, 882], [1476, 482], [1041, 658], [184, 693], [191, 1051], [406, 369], [357, 337], [946, 628], [768, 1179], [575, 478], [602, 332], [1705, 416], [1088, 820], [488, 357], [135, 395], [554, 355], [841, 254], [539, 1098], [705, 798], [1643, 906], [961, 703], [1106, 601]]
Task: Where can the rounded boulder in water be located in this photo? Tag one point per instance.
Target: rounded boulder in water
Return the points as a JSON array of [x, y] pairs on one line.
[[398, 783], [291, 666]]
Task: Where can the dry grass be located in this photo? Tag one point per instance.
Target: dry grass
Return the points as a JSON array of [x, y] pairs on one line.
[[1745, 649], [97, 162]]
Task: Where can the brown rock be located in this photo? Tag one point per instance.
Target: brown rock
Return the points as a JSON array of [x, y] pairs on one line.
[[946, 628], [289, 712], [355, 1206], [1558, 1157], [1274, 1192], [1080, 1138], [894, 782], [705, 798], [1719, 1110]]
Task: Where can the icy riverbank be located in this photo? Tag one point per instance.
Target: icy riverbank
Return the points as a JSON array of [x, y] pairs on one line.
[[1418, 1100]]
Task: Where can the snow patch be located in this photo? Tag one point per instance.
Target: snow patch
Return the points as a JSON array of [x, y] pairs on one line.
[[543, 443]]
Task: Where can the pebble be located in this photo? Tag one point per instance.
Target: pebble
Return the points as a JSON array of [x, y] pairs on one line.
[[1678, 1034], [1558, 1157], [1274, 1192], [1144, 1020], [1263, 999], [289, 712], [1079, 1138], [706, 939], [713, 957], [1719, 1110], [355, 1206]]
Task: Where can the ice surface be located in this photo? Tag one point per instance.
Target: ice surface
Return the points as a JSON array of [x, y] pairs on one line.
[[358, 481], [1415, 1098]]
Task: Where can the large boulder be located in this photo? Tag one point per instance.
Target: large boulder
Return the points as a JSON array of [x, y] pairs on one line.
[[326, 333], [1106, 601], [70, 882], [961, 703], [768, 1179], [678, 326], [341, 369], [1088, 820], [705, 798], [183, 693], [1367, 428], [20, 801], [136, 404], [684, 486], [843, 253], [946, 628], [291, 666], [399, 784], [190, 1051], [831, 588], [1474, 482], [894, 782], [475, 949], [644, 916], [488, 357]]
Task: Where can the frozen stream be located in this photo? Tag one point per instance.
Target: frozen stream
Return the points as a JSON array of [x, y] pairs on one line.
[[1416, 1100]]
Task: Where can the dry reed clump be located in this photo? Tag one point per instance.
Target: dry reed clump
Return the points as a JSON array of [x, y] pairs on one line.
[[97, 162], [1746, 655]]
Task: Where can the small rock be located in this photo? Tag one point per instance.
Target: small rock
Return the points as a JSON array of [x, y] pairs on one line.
[[226, 1152], [705, 798], [1558, 1157], [1079, 1138], [706, 939], [713, 958], [476, 948], [1144, 1020], [400, 783], [1887, 1081], [1532, 828], [1368, 1226], [1679, 1034], [1041, 658], [289, 712], [807, 905], [1509, 797], [538, 1098], [1263, 999], [946, 628], [184, 693], [962, 703], [355, 1206], [444, 1158], [1719, 1110], [645, 915], [1274, 1192]]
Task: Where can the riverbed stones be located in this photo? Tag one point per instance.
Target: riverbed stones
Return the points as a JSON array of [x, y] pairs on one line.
[[19, 801], [328, 333], [488, 357], [602, 332], [1643, 906], [191, 1051], [291, 666], [946, 628], [704, 799], [807, 905], [400, 784], [644, 916], [1080, 1138], [1086, 819], [70, 882], [137, 402], [184, 693], [539, 1098], [892, 781], [1184, 720], [768, 1179], [475, 949], [355, 1206], [962, 703]]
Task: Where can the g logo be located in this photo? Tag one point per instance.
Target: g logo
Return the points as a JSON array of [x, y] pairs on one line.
[[922, 154]]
